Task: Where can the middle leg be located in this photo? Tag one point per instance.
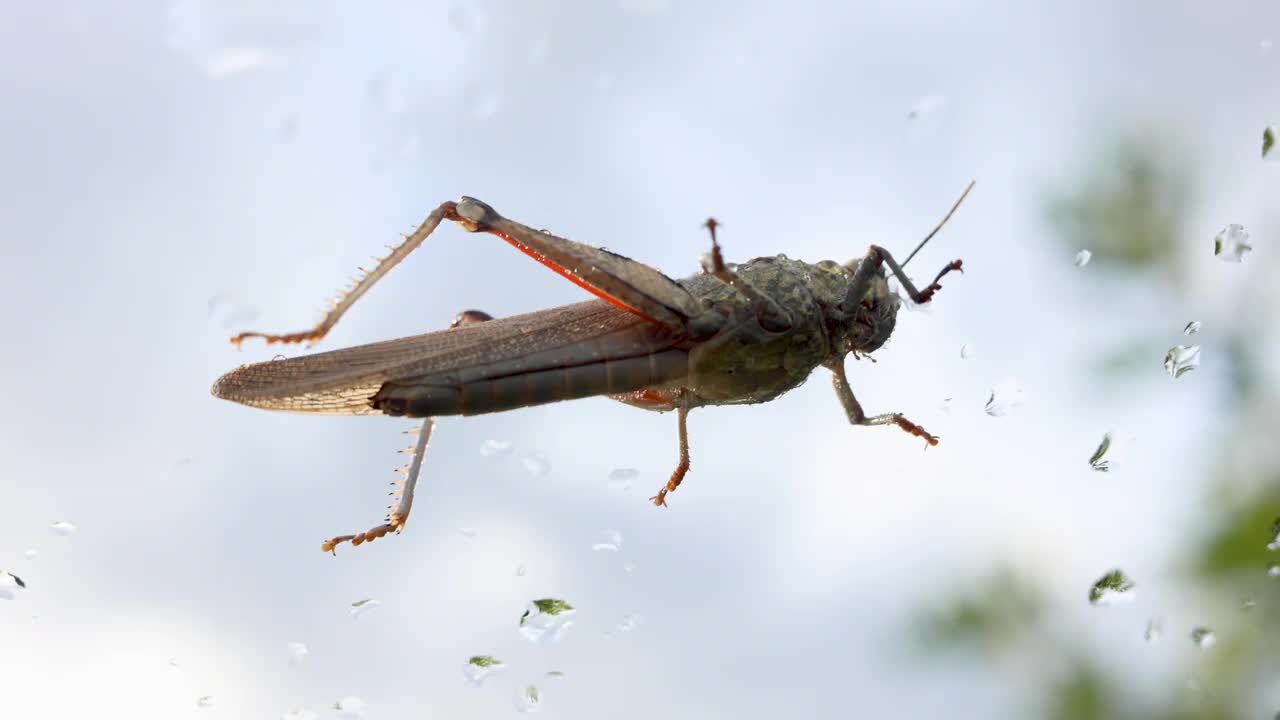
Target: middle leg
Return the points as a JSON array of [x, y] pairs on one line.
[[677, 475]]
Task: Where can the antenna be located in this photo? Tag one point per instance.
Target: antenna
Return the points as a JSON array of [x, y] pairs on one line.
[[944, 222]]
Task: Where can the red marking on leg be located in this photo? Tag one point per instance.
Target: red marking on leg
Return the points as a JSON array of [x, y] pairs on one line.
[[651, 398], [570, 275], [915, 429]]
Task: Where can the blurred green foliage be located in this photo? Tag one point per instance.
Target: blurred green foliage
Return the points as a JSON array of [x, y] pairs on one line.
[[992, 619], [1132, 208]]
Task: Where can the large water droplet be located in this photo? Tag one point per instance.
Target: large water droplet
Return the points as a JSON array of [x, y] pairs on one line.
[[966, 351], [546, 620], [495, 448], [479, 667], [528, 699], [297, 653], [350, 707], [360, 607], [1098, 460], [536, 463], [1192, 328], [1181, 360], [1113, 588], [62, 527], [1155, 630], [1232, 243], [1082, 258], [225, 38], [926, 105], [608, 540], [10, 584], [1006, 395], [620, 478], [204, 701], [1203, 637]]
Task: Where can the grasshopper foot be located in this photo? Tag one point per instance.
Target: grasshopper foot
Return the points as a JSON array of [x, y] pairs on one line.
[[927, 294], [915, 429], [394, 523]]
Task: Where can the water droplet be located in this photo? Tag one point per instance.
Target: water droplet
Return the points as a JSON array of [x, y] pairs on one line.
[[1203, 637], [487, 106], [628, 622], [1006, 395], [528, 699], [609, 540], [1264, 48], [479, 667], [62, 527], [230, 312], [31, 554], [1275, 536], [227, 39], [1232, 243], [299, 714], [1181, 360], [1274, 571], [620, 478], [1155, 629], [1082, 258], [1097, 461], [10, 584], [1113, 588], [1192, 328], [360, 607], [966, 351], [495, 448], [1248, 604], [629, 567], [467, 532], [521, 570], [945, 405], [536, 463], [926, 105], [173, 662], [554, 675], [350, 708], [546, 620], [297, 653], [204, 701]]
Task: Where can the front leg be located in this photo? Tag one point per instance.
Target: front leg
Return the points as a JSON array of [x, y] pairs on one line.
[[854, 411], [870, 265]]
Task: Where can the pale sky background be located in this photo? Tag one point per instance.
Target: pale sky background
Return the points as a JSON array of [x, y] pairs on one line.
[[173, 173]]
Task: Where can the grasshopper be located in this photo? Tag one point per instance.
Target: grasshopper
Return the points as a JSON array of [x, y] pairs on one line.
[[731, 335]]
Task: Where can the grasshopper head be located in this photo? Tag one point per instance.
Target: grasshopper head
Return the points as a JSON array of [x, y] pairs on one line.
[[871, 321]]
